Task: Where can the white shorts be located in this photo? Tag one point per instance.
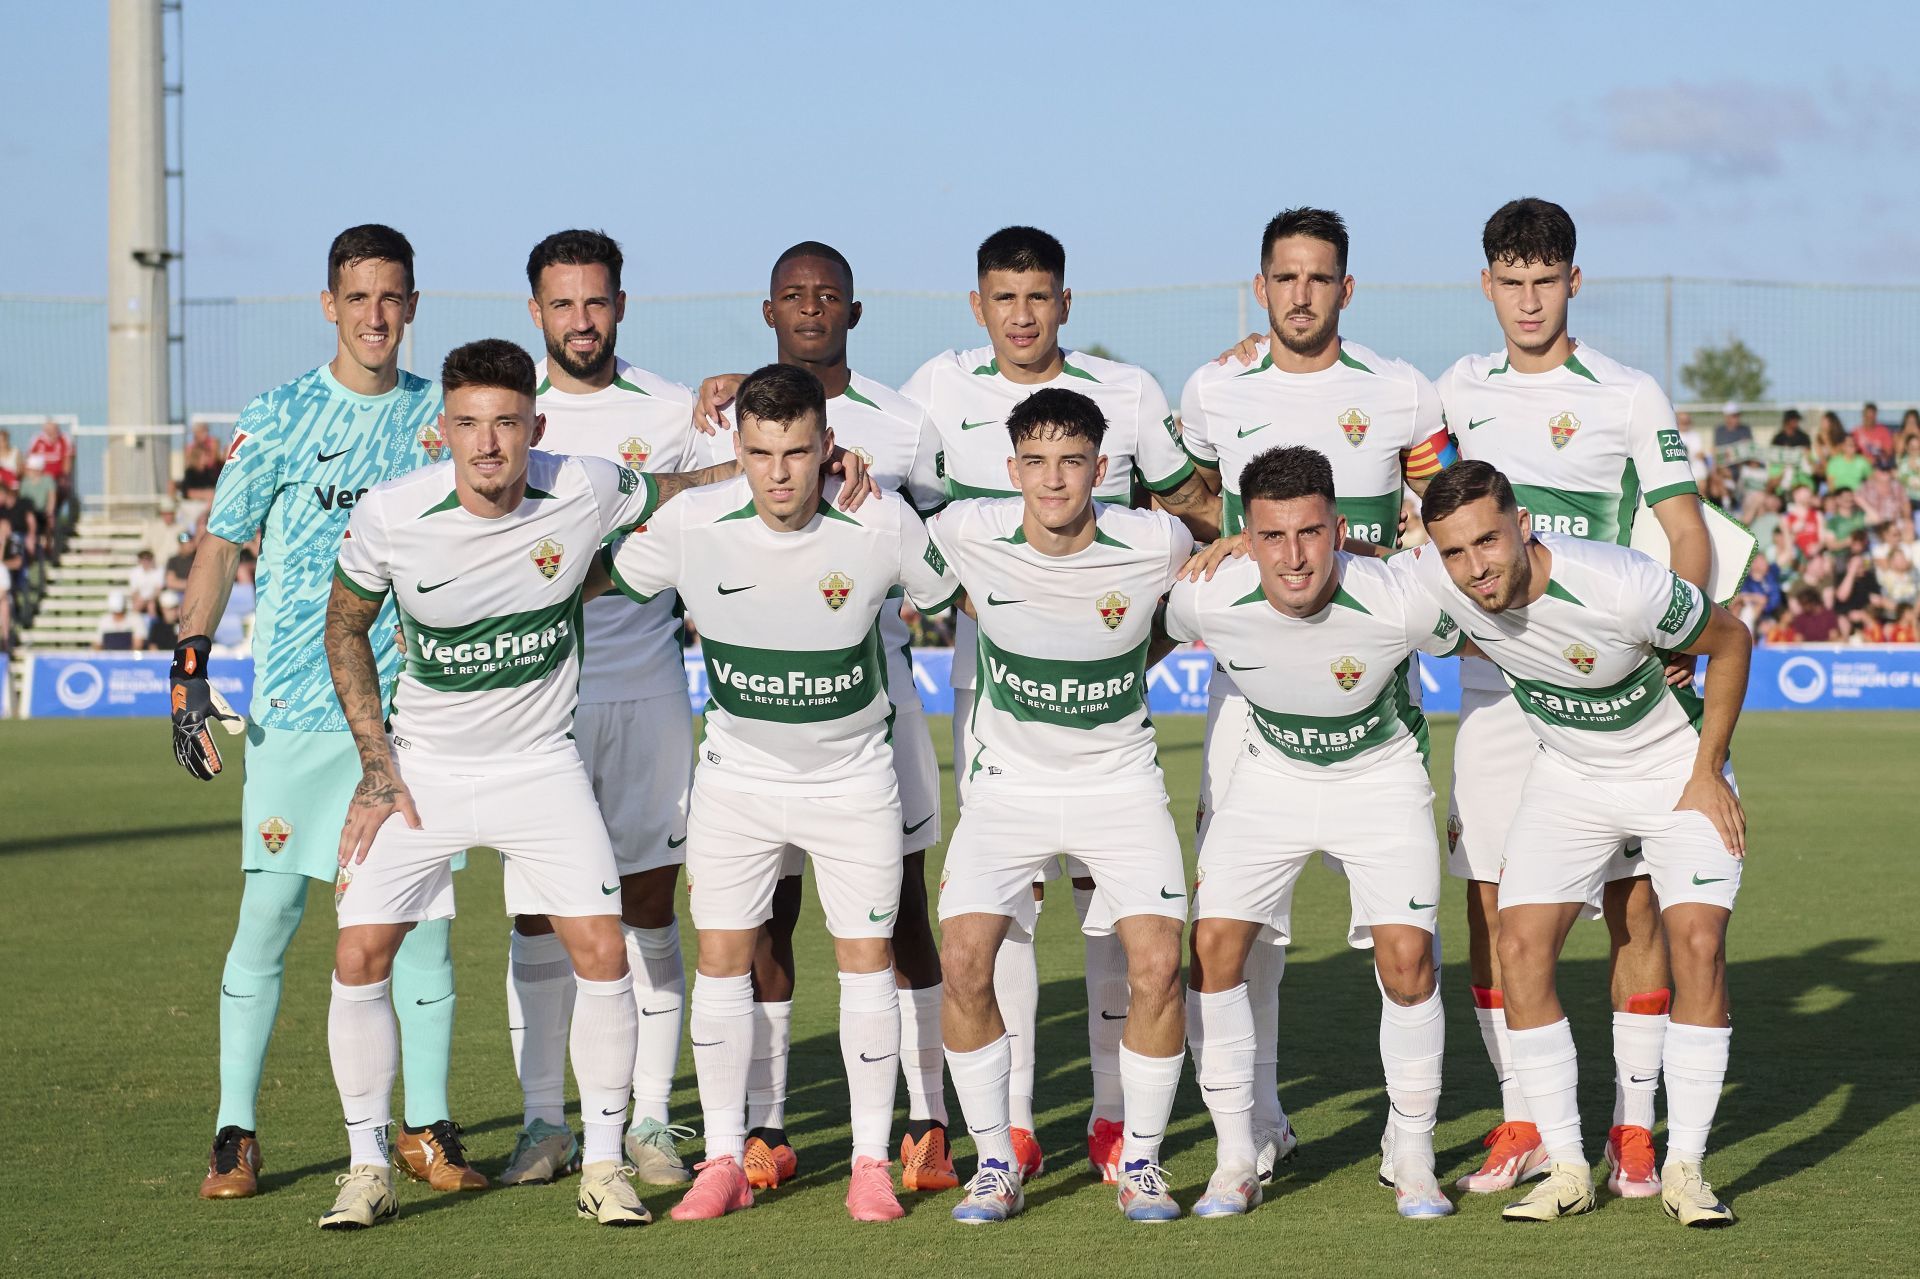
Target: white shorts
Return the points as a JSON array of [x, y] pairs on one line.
[[639, 756], [1379, 825], [542, 819], [1125, 842], [1227, 721], [1569, 828], [916, 769], [1490, 755], [736, 842], [962, 741]]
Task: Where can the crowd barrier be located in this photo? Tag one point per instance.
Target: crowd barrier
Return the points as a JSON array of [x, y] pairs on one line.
[[1785, 677]]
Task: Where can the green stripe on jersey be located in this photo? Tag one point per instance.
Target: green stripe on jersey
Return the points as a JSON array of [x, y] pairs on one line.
[[1598, 517], [1599, 710], [1328, 739], [494, 652], [1105, 690], [795, 686], [1370, 519]]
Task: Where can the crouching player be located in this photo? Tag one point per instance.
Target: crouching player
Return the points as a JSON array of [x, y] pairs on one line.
[[1320, 643]]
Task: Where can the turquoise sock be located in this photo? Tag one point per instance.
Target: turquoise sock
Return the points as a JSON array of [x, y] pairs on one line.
[[423, 999], [271, 906]]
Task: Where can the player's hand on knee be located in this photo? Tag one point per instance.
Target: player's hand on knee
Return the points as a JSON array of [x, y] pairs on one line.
[[1247, 350], [197, 706], [858, 483], [1205, 561], [379, 796], [1709, 793], [715, 394]]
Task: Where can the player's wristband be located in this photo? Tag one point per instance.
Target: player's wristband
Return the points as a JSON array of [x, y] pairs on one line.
[[190, 658]]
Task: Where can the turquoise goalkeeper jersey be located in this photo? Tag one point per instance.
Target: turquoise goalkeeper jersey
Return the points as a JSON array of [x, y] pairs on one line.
[[302, 455]]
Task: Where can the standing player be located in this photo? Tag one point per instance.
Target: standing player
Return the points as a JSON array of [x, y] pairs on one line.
[[788, 593], [1583, 439], [1580, 630], [1022, 301], [1378, 421], [481, 751], [1336, 763], [632, 727], [811, 308], [302, 455], [1065, 589]]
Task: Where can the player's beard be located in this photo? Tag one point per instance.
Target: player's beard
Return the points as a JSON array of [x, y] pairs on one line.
[[591, 367], [1314, 340], [1516, 583]]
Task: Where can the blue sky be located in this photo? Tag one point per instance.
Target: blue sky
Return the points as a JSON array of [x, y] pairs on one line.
[[1714, 139]]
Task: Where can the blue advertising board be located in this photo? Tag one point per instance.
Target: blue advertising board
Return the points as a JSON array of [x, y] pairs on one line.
[[92, 685]]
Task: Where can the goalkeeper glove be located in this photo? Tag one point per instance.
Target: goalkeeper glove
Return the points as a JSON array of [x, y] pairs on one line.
[[195, 702]]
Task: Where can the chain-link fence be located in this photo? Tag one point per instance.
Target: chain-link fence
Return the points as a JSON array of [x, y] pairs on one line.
[[1820, 343]]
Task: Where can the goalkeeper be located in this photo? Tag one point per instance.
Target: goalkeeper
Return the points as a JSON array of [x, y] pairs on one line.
[[302, 455]]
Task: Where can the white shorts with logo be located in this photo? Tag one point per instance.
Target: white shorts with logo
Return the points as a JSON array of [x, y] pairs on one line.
[[737, 841], [639, 755], [1125, 841], [1378, 824], [542, 818], [1491, 754], [1569, 827], [916, 770], [1227, 721]]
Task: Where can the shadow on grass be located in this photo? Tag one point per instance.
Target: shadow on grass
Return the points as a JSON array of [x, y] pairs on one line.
[[101, 838]]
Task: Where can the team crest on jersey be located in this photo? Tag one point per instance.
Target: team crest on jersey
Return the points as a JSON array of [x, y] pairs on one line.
[[1347, 672], [1353, 425], [340, 885], [834, 588], [1562, 427], [275, 832], [1581, 656], [1453, 832], [432, 441], [546, 557], [1113, 609], [635, 451]]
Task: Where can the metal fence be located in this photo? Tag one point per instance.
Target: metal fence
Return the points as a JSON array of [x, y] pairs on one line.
[[1820, 343]]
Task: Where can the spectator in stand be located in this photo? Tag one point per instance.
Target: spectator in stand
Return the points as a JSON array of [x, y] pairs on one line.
[[1899, 579], [1859, 587], [1696, 445], [180, 563], [1827, 440], [1792, 435], [1805, 521], [1907, 468], [204, 458], [1793, 452], [38, 490], [232, 630], [145, 581], [1884, 499], [11, 462], [1906, 627], [1760, 595], [1844, 519], [55, 452], [162, 535], [1732, 445], [1767, 518], [1782, 552], [163, 632], [1875, 440], [13, 563], [1810, 620], [119, 629], [1849, 468], [1909, 430]]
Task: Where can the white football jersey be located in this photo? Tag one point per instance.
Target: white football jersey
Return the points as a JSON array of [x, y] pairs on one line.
[[1331, 694], [1363, 412], [789, 629], [1580, 444], [968, 398], [1062, 653], [490, 608], [643, 422], [1581, 660]]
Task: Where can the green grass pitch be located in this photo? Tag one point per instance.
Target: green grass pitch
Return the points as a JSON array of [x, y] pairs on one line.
[[118, 887]]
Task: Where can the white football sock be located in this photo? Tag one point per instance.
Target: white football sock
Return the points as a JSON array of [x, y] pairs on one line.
[[767, 1070], [1265, 965], [869, 1042], [721, 1022], [1695, 1063], [660, 993], [1107, 999], [1150, 1084], [1016, 986], [1637, 1049], [1220, 1035], [1548, 1068], [1412, 1043], [364, 1041], [922, 1059], [1493, 1034], [605, 1025], [539, 1004], [980, 1082]]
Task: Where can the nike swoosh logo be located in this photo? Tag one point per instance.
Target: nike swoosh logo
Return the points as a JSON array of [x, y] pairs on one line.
[[1718, 879], [1642, 1079], [230, 995], [735, 590], [879, 917], [1485, 639], [908, 830], [659, 1012], [882, 1057], [1235, 666], [609, 890], [328, 457], [1414, 905], [424, 589], [424, 1002], [1145, 1136], [715, 1044], [1107, 1016], [1631, 852], [1171, 896], [996, 603], [1211, 1088], [675, 843], [621, 1112], [1471, 423], [1244, 431], [968, 426], [358, 1123]]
